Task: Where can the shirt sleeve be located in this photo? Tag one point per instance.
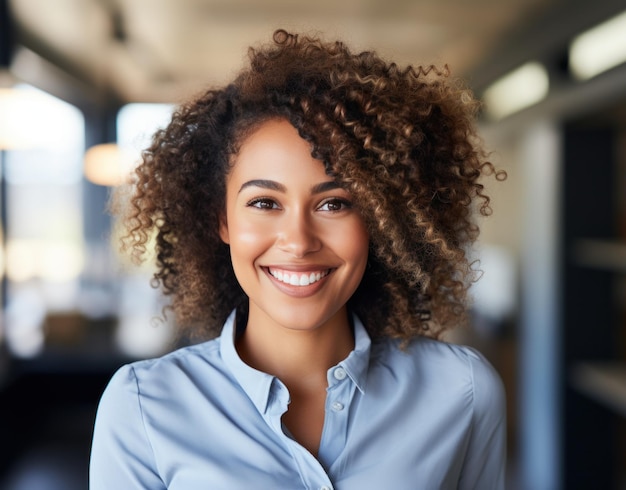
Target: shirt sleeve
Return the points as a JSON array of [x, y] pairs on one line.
[[121, 454], [484, 465]]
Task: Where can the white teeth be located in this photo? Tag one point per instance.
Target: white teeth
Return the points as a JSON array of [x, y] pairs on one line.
[[295, 279]]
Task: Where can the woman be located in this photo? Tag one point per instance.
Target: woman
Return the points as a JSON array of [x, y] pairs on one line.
[[317, 213]]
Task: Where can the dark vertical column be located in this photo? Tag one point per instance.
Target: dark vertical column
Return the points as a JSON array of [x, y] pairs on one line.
[[6, 53], [100, 127], [589, 316], [6, 35], [98, 277]]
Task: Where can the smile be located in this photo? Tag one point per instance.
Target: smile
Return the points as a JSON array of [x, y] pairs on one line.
[[298, 278]]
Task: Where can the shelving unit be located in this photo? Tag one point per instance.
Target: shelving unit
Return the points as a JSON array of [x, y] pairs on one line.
[[599, 254], [593, 279], [603, 382]]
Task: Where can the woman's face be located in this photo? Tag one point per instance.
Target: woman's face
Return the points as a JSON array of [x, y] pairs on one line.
[[298, 247]]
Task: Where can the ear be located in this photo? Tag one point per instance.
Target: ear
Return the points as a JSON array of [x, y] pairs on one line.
[[224, 229]]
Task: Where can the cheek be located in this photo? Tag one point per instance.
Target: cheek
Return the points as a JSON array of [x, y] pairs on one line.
[[248, 232], [247, 235], [246, 245], [355, 244]]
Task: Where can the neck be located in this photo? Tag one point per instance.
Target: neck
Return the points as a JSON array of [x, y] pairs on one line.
[[300, 358]]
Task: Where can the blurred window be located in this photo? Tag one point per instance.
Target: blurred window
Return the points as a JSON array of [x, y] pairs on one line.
[[44, 246]]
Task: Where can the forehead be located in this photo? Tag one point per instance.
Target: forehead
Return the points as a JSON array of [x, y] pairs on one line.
[[276, 149]]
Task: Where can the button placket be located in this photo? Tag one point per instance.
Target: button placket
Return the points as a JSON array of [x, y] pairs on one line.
[[339, 398], [340, 374], [337, 406]]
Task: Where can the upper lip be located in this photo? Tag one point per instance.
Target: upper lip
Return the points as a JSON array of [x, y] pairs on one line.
[[300, 268]]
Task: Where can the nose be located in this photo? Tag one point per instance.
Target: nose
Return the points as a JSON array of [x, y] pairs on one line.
[[297, 235]]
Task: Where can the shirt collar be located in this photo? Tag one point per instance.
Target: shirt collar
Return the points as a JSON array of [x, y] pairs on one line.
[[258, 385], [255, 383], [357, 362]]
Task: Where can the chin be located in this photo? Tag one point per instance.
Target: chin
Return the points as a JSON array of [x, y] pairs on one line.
[[300, 317]]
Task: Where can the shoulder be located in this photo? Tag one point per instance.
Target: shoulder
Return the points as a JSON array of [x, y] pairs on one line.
[[175, 369], [440, 364], [455, 360], [468, 365], [429, 353]]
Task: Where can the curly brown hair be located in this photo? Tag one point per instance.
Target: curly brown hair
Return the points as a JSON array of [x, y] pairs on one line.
[[402, 141]]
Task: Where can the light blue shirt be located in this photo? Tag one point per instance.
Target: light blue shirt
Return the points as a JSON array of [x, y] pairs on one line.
[[199, 418]]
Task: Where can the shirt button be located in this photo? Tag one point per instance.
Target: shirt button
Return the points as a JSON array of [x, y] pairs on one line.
[[325, 487], [337, 406], [339, 373]]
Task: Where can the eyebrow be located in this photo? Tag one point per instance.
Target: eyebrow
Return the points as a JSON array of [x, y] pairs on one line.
[[265, 184], [276, 186], [325, 186]]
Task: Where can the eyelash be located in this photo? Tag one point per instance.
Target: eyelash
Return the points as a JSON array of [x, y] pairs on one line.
[[268, 204], [343, 203], [264, 203]]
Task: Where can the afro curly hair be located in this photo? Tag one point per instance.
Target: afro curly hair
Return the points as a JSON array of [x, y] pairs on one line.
[[402, 141]]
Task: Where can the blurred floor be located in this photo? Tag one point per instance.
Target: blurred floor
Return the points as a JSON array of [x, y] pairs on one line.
[[47, 409], [51, 467]]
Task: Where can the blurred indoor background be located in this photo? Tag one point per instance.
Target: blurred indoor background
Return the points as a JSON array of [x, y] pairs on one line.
[[83, 85]]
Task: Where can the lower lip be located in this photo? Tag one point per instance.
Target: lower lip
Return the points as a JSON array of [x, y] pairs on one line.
[[297, 291]]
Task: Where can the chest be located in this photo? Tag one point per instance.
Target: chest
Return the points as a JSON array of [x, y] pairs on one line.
[[385, 438]]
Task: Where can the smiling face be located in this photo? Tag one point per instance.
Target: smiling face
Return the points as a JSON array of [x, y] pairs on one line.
[[297, 246]]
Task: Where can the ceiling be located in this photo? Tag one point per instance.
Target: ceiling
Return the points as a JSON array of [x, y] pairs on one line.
[[163, 50]]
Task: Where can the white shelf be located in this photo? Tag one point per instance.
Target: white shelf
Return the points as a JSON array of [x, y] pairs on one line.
[[600, 254], [604, 382]]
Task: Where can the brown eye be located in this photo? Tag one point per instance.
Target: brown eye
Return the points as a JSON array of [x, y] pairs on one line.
[[334, 205], [263, 203]]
